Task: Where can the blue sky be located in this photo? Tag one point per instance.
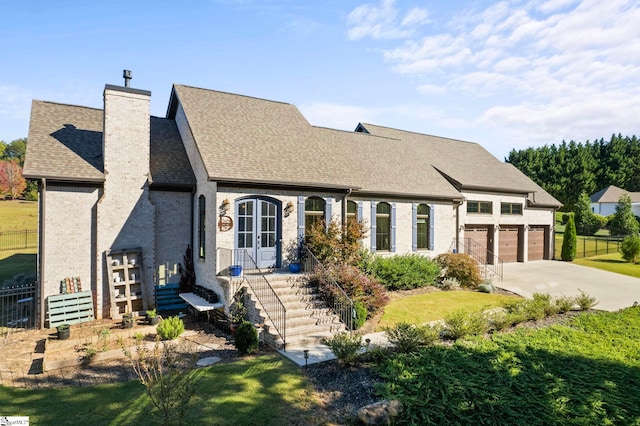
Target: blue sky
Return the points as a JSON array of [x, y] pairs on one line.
[[508, 74]]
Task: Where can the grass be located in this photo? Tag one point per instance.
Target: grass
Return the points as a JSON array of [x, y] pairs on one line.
[[261, 390], [588, 246], [587, 372], [17, 262], [612, 263], [423, 308], [17, 215]]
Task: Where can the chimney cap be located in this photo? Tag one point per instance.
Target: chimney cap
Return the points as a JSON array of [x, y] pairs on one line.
[[126, 74]]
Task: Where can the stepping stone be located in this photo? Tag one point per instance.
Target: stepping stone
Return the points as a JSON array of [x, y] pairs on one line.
[[203, 362]]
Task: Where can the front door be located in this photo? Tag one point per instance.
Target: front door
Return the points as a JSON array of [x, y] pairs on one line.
[[258, 231]]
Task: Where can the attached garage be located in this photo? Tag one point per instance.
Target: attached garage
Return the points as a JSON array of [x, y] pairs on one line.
[[476, 238], [536, 246], [508, 243]]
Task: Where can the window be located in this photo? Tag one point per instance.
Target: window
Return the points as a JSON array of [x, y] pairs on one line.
[[352, 211], [314, 210], [422, 225], [484, 207], [201, 225], [383, 227], [510, 208]]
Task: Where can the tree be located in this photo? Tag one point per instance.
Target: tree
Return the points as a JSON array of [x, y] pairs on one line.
[[16, 150], [569, 241], [11, 180], [3, 147], [587, 223], [623, 222]]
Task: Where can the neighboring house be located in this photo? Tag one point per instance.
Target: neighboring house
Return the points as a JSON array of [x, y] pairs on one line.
[[604, 202], [227, 172]]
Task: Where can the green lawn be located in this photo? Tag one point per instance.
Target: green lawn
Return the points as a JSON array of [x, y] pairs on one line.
[[18, 215], [423, 308], [263, 390], [611, 263], [17, 262]]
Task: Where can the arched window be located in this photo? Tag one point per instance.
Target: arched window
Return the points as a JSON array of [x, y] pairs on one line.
[[352, 211], [422, 225], [201, 225], [314, 211], [383, 227]]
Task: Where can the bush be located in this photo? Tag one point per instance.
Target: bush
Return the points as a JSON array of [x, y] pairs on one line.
[[331, 245], [448, 284], [486, 287], [361, 314], [358, 286], [461, 267], [565, 303], [499, 319], [569, 241], [246, 338], [585, 301], [345, 347], [170, 328], [405, 272], [542, 306], [409, 338], [461, 324], [630, 248]]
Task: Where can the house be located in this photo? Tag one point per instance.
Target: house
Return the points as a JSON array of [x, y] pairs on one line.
[[604, 202], [234, 175]]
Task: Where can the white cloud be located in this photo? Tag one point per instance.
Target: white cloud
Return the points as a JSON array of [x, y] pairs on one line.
[[535, 69], [383, 21]]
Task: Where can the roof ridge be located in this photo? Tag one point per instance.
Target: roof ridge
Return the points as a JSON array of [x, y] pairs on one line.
[[234, 94], [66, 104], [419, 133]]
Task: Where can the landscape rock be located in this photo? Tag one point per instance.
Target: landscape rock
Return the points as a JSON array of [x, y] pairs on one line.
[[380, 413]]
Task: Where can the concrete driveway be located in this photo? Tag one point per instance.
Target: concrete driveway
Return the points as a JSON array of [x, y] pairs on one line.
[[612, 291]]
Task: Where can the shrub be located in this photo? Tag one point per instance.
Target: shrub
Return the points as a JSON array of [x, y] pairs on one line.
[[461, 267], [541, 306], [569, 241], [461, 323], [246, 338], [170, 328], [331, 245], [585, 301], [565, 303], [499, 319], [449, 284], [345, 347], [405, 272], [486, 287], [361, 314], [630, 248], [356, 285], [409, 338]]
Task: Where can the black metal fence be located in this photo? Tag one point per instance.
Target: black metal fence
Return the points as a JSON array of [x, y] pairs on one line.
[[17, 240], [18, 308], [591, 246]]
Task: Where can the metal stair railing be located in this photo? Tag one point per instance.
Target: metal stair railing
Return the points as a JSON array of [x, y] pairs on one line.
[[342, 304], [485, 258], [272, 305]]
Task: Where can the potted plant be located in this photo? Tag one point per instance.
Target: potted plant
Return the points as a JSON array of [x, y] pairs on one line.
[[127, 320], [64, 331], [152, 316]]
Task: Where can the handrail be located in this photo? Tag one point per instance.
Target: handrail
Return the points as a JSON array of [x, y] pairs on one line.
[[488, 261], [272, 305], [342, 304]]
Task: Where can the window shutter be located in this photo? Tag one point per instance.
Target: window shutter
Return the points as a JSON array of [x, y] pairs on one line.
[[432, 215], [373, 227], [327, 212], [360, 210], [414, 227], [300, 217], [393, 227]]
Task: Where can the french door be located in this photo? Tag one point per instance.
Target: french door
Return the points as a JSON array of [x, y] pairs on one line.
[[258, 230]]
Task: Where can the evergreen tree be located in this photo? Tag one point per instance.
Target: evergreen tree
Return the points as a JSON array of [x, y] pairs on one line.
[[569, 241], [587, 223], [623, 222]]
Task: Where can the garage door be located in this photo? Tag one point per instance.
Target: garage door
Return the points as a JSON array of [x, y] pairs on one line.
[[508, 245], [536, 243], [476, 238]]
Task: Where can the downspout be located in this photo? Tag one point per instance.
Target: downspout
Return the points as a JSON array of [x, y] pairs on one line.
[[40, 283], [344, 211], [457, 231]]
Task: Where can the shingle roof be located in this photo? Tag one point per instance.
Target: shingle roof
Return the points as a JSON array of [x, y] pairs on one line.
[[611, 194], [65, 143], [241, 138], [466, 164]]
